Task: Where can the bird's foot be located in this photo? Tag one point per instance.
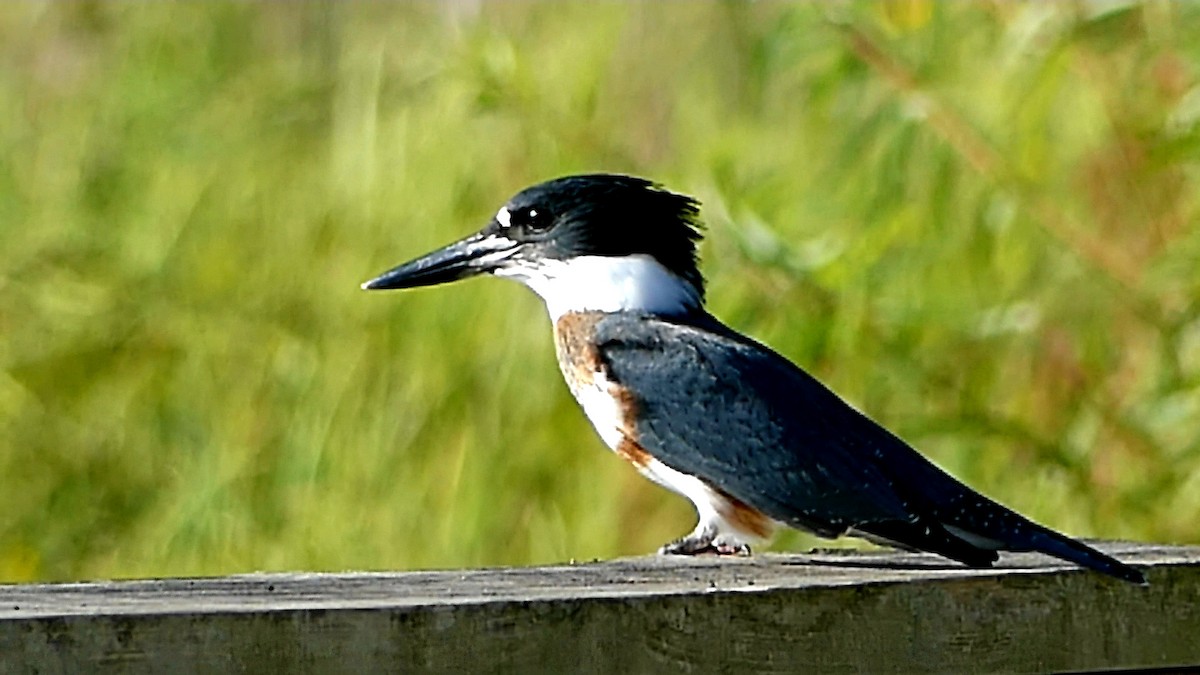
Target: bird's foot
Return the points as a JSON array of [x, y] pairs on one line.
[[704, 544]]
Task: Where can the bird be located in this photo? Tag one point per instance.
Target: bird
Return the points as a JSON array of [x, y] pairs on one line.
[[750, 438]]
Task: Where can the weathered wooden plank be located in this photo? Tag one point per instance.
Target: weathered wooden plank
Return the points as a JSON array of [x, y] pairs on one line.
[[835, 611]]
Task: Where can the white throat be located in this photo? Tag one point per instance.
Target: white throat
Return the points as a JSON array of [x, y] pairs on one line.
[[605, 284]]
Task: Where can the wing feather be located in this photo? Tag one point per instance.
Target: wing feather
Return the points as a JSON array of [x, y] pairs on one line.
[[730, 411]]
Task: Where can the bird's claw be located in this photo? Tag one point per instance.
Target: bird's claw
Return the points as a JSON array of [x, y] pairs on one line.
[[701, 545]]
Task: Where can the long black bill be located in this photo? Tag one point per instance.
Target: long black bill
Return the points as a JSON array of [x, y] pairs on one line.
[[474, 255]]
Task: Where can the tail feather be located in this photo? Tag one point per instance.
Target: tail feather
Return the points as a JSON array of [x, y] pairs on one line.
[[995, 526], [1010, 531], [977, 550], [1045, 540], [982, 524]]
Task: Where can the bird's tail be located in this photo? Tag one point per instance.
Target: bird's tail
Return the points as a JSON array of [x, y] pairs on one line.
[[1045, 540], [985, 524], [1010, 531]]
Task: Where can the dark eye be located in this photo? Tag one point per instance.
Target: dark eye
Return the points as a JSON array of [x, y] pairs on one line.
[[532, 219]]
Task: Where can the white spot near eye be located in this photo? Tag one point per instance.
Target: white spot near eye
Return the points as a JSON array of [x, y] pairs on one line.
[[503, 217]]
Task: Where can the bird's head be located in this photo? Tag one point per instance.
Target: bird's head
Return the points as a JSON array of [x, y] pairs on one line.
[[599, 242]]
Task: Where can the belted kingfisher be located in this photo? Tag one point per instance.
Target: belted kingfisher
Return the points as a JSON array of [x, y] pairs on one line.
[[751, 439]]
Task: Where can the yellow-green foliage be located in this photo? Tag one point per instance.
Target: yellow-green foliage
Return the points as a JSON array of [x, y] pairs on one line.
[[977, 221]]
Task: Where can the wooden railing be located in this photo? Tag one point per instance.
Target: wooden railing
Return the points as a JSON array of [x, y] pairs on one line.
[[824, 611]]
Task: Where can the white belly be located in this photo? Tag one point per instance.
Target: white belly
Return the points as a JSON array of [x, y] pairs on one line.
[[601, 404], [601, 407]]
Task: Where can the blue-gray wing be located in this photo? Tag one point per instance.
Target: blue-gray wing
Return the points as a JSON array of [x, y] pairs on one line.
[[718, 406]]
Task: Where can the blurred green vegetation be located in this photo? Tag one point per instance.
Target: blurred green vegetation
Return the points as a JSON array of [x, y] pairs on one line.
[[976, 221]]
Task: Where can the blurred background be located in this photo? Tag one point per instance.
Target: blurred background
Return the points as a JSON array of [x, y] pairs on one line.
[[976, 221]]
